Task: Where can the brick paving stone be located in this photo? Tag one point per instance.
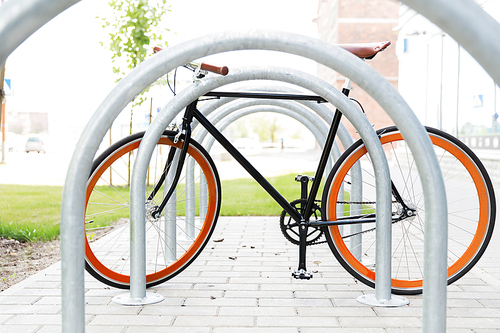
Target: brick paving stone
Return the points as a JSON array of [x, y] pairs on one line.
[[341, 330], [419, 330], [38, 292], [328, 294], [7, 299], [19, 328], [476, 323], [284, 280], [308, 311], [149, 329], [474, 295], [257, 311], [476, 288], [298, 321], [492, 303], [112, 308], [130, 320], [254, 330], [294, 302], [190, 293], [34, 319], [227, 286], [44, 285], [35, 309], [382, 322], [183, 310], [293, 287], [474, 312], [5, 317], [190, 321], [463, 303], [88, 329], [189, 279], [231, 274], [221, 301], [259, 294]]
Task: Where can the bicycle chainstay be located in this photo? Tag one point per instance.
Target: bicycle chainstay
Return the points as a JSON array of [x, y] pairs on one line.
[[317, 241]]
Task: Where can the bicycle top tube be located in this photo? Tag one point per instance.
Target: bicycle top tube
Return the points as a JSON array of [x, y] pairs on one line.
[[294, 97]]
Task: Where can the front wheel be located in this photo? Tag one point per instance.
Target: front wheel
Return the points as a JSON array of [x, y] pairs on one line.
[[470, 199], [173, 240]]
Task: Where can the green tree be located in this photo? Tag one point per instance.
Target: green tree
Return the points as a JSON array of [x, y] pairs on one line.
[[133, 26]]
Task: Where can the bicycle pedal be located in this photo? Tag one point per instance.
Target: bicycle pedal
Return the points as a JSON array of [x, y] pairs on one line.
[[302, 274]]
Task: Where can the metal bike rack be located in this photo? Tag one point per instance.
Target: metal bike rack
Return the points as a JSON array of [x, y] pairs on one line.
[[145, 74], [477, 32], [21, 18], [322, 89]]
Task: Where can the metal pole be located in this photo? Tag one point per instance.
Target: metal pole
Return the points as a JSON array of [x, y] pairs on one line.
[[3, 101], [21, 18], [473, 29], [190, 199], [171, 216]]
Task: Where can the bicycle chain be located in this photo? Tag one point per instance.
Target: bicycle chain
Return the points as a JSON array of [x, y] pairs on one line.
[[360, 203], [317, 242]]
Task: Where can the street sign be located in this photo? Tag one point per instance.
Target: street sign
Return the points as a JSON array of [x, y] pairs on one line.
[[477, 101], [7, 87]]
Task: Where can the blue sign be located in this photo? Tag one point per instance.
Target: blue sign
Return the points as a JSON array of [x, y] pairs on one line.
[[478, 101], [7, 87]]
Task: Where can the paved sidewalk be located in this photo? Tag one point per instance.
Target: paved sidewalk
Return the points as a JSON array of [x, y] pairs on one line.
[[254, 293]]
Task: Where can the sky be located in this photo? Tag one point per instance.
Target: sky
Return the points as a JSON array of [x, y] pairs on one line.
[[63, 70]]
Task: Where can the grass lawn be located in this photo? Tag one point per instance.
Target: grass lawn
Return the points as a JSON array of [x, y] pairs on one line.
[[32, 213]]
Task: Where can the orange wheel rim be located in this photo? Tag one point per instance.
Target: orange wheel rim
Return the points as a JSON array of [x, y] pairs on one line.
[[200, 238], [464, 259]]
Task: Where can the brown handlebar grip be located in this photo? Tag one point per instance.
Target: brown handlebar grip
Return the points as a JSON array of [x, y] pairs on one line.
[[157, 49], [215, 69]]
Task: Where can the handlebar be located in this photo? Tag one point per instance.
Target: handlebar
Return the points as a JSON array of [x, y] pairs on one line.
[[223, 70]]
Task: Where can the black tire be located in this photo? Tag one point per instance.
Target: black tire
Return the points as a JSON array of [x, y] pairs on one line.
[[471, 210], [107, 257]]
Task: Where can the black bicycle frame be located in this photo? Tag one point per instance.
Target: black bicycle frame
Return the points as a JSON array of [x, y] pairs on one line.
[[192, 112]]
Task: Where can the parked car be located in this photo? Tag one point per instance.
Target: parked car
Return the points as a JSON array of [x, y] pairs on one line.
[[35, 144]]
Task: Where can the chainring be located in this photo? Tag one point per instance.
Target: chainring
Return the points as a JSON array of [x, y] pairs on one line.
[[290, 228]]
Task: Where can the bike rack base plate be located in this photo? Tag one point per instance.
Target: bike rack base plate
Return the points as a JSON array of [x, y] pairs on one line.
[[126, 299], [371, 300]]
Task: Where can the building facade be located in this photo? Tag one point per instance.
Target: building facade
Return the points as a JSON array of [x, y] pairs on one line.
[[444, 85], [361, 21]]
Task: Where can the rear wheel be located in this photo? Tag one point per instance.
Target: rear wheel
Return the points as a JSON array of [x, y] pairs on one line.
[[175, 239], [470, 199]]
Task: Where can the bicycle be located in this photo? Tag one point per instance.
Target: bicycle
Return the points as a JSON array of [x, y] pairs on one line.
[[177, 231]]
